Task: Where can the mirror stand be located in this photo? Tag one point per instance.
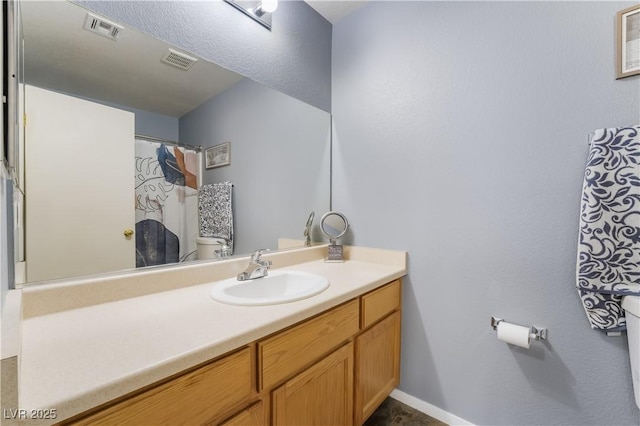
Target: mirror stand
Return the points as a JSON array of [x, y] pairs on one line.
[[334, 225], [335, 252]]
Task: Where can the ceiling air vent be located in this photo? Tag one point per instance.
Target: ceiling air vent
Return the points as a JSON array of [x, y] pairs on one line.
[[178, 59], [101, 26]]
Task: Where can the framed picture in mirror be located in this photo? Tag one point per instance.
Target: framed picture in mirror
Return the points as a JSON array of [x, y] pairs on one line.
[[628, 58], [218, 155]]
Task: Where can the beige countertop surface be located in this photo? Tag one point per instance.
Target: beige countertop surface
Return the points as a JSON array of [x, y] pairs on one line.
[[74, 359]]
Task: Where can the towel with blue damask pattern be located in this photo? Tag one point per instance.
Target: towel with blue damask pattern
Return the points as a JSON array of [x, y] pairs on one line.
[[608, 266]]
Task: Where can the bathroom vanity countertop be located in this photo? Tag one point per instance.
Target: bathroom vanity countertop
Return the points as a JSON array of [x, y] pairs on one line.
[[76, 359]]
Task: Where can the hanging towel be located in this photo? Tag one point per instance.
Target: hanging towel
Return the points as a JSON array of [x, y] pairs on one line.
[[216, 214], [608, 266]]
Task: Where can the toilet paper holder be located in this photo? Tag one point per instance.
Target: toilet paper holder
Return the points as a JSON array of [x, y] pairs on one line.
[[536, 333]]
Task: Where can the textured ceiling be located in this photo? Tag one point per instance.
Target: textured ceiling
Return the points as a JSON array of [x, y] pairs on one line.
[[59, 54], [334, 10]]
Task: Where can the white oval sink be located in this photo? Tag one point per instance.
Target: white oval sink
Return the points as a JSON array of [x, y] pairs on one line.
[[277, 287]]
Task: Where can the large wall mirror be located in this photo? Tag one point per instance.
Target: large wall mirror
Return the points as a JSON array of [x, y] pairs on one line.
[[118, 143]]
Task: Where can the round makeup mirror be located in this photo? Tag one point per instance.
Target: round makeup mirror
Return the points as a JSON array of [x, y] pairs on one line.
[[333, 225]]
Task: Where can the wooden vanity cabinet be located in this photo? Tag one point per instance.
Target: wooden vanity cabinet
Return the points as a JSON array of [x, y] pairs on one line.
[[323, 393], [332, 369]]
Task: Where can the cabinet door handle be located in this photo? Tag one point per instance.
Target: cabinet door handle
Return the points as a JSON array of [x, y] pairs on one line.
[[128, 232]]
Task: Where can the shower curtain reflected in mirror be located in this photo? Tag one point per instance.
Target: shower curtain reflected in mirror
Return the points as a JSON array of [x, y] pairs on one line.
[[166, 203]]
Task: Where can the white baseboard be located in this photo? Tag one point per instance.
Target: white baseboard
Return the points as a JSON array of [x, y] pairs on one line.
[[428, 409]]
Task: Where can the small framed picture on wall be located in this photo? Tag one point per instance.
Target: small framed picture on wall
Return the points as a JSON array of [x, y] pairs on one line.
[[628, 43], [217, 156]]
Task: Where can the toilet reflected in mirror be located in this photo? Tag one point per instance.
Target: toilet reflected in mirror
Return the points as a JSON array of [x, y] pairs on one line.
[[212, 248], [334, 225]]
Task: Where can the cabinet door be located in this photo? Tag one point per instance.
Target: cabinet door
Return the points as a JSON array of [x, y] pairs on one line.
[[377, 358], [320, 395]]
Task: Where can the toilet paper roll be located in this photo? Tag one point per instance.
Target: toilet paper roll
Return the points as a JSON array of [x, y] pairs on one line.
[[514, 334]]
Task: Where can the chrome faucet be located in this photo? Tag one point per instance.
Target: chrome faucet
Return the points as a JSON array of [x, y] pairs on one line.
[[224, 250], [257, 268]]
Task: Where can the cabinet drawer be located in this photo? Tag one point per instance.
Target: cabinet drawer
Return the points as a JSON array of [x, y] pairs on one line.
[[288, 352], [380, 302], [252, 416], [195, 398]]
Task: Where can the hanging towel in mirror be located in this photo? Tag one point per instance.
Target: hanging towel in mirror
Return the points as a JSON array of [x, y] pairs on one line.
[[216, 214], [608, 266]]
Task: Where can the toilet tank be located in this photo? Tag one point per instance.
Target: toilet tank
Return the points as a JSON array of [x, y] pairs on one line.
[[631, 306], [209, 247]]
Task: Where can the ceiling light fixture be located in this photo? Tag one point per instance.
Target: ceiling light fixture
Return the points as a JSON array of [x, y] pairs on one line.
[[259, 11]]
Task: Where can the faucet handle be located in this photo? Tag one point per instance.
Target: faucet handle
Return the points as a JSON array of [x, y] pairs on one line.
[[256, 255]]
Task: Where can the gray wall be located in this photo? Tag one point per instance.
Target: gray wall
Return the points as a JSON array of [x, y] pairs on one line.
[[294, 58], [156, 125], [461, 136], [280, 153], [153, 124]]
